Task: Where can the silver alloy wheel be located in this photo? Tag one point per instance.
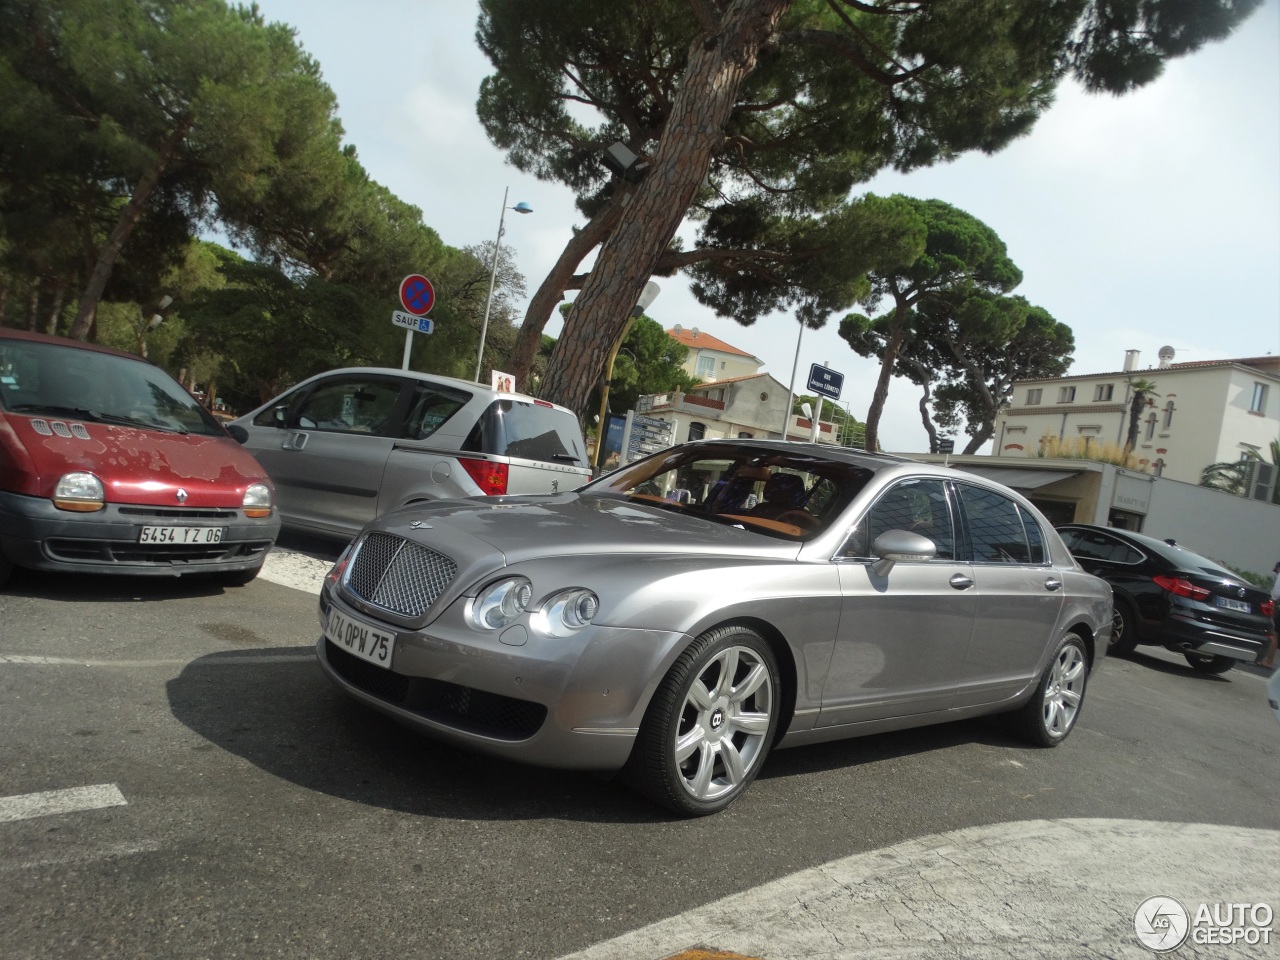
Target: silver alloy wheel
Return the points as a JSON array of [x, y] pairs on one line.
[[1064, 691], [723, 723]]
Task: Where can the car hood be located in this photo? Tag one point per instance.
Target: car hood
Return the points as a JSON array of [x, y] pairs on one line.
[[136, 466], [569, 524]]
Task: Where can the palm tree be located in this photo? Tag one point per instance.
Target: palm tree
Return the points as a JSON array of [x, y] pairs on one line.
[[1142, 391], [1230, 476]]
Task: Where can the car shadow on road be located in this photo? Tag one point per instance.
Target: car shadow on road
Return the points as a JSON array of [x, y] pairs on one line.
[[274, 708], [106, 588]]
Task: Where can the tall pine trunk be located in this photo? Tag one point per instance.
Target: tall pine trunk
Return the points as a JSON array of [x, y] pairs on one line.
[[718, 64], [87, 311]]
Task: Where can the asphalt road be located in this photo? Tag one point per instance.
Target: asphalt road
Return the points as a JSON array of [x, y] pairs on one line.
[[225, 801]]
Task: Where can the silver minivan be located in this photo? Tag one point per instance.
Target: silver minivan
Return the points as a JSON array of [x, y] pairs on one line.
[[349, 445]]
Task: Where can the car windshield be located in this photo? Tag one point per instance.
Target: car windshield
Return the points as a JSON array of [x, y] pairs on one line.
[[781, 494], [46, 379]]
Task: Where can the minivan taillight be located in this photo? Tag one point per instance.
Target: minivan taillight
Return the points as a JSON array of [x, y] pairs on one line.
[[1268, 608], [1181, 588], [490, 477]]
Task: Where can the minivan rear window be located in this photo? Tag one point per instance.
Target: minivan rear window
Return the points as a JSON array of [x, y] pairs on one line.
[[527, 431]]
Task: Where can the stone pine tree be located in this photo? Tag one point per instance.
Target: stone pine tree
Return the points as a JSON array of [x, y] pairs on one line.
[[776, 108], [962, 258], [132, 112]]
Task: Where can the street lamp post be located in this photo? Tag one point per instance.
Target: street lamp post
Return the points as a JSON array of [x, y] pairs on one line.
[[647, 296], [521, 207]]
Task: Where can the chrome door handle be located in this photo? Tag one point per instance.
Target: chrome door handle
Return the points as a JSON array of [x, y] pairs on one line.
[[295, 441], [960, 581], [1053, 583]]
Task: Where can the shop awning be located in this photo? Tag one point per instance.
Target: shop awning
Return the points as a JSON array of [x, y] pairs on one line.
[[1019, 478]]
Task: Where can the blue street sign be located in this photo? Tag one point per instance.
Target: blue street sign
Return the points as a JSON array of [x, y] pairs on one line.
[[825, 381]]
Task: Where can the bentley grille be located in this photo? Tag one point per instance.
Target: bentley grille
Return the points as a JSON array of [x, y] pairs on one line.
[[399, 575]]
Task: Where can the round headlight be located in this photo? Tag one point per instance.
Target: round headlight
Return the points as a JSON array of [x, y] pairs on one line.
[[568, 612], [81, 492], [257, 500], [501, 602]]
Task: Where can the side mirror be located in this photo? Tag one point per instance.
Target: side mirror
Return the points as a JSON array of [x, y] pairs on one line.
[[900, 546], [280, 415], [238, 433]]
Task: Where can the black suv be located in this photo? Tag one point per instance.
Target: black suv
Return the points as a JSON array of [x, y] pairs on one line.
[[1168, 596]]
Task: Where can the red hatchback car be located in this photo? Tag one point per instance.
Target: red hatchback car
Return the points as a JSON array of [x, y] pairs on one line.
[[107, 465]]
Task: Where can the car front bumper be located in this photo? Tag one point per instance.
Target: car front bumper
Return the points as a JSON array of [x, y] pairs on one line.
[[569, 703], [36, 534]]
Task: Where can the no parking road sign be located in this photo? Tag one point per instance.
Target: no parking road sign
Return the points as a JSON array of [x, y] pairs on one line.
[[417, 294]]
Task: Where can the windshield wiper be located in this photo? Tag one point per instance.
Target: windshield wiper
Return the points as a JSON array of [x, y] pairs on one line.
[[53, 410], [564, 456]]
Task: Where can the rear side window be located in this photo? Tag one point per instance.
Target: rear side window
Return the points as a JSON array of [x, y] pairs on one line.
[[528, 431], [996, 534], [1035, 537], [1092, 545], [431, 406]]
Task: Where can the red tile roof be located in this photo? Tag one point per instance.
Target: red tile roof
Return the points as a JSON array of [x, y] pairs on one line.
[[705, 341]]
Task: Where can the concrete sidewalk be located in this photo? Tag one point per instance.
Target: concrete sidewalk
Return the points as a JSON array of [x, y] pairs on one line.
[[1053, 889]]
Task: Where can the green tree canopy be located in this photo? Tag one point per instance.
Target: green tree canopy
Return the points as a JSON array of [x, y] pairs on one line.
[[753, 113], [962, 258]]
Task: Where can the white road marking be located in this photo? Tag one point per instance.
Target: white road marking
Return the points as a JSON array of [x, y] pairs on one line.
[[84, 856], [298, 570], [52, 802], [1039, 888]]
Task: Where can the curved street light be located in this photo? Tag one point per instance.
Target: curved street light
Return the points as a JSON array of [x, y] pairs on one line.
[[520, 207]]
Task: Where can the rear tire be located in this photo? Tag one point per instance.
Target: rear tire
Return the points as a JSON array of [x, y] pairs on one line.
[[238, 578], [1051, 713], [1124, 633], [710, 724], [1206, 664]]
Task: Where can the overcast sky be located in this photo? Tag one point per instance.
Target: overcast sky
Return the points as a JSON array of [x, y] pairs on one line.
[[1142, 221]]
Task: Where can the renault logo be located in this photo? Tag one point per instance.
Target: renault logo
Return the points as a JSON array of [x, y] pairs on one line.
[[181, 495]]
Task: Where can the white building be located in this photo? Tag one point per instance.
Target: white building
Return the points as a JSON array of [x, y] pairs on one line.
[[750, 406], [1200, 413]]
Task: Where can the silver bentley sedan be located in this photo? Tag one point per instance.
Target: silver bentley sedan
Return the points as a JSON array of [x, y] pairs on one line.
[[678, 618]]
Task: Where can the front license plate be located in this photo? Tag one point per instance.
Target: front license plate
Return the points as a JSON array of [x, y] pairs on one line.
[[181, 535], [359, 638], [1233, 604]]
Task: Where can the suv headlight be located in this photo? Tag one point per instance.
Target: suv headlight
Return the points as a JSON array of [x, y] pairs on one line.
[[567, 612], [81, 492], [501, 602], [257, 500]]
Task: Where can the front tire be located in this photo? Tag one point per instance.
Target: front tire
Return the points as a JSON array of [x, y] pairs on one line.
[[710, 725], [1207, 664], [1051, 713]]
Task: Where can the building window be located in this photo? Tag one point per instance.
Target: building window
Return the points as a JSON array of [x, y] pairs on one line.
[[1033, 397], [1151, 426], [744, 436], [697, 430], [1158, 467], [1066, 394], [1259, 402], [1104, 391], [706, 367], [1168, 415], [722, 364]]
